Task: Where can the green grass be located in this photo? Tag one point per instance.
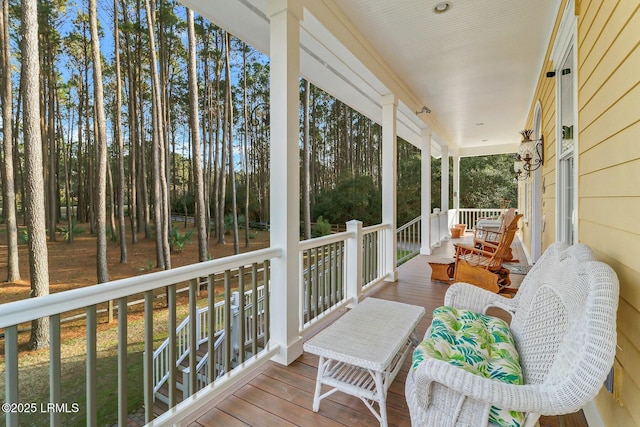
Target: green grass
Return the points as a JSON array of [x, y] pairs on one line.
[[34, 373]]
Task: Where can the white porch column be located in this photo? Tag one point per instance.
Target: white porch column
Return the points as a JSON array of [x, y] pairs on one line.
[[389, 177], [285, 16], [444, 194], [425, 192], [456, 183], [354, 262], [444, 198]]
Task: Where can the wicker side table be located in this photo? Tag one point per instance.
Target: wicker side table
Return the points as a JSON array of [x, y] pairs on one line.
[[362, 352]]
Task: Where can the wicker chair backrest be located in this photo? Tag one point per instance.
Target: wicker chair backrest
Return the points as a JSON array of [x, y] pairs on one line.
[[563, 323]]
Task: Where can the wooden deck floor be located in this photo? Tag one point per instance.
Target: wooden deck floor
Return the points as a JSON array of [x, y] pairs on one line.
[[282, 395]]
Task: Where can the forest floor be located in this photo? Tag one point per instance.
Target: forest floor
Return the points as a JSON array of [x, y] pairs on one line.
[[72, 266]]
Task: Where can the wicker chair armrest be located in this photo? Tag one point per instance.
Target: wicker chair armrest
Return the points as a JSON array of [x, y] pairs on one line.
[[524, 398], [470, 297]]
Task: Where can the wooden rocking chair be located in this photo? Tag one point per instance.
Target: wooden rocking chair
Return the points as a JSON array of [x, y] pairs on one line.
[[482, 266], [487, 239]]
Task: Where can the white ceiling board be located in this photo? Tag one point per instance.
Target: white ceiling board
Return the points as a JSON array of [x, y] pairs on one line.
[[477, 63]]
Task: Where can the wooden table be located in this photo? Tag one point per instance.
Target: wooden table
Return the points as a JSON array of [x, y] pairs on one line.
[[441, 269], [362, 352]]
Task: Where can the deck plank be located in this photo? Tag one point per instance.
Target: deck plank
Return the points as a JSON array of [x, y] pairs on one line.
[[283, 395]]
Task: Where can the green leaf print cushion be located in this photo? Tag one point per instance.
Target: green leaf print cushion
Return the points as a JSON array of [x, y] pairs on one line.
[[479, 344]]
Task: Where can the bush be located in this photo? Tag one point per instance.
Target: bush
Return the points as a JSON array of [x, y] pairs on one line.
[[75, 228], [320, 228], [352, 198], [177, 240]]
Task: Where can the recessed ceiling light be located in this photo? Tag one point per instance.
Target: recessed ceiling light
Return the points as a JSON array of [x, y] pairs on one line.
[[479, 124], [443, 7], [485, 140]]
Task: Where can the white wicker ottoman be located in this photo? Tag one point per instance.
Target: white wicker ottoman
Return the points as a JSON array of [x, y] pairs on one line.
[[362, 352]]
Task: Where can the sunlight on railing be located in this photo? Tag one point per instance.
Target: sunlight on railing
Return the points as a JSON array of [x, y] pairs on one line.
[[470, 217], [133, 348], [373, 254], [230, 327], [322, 275], [409, 240]]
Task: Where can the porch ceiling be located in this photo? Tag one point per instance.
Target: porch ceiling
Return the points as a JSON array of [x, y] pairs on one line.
[[477, 63]]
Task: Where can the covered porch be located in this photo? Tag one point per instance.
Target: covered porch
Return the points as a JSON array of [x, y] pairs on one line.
[[295, 288], [283, 395]]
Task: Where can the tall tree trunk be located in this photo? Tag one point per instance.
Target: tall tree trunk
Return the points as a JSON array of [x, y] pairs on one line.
[[18, 165], [160, 182], [222, 181], [122, 228], [246, 146], [8, 187], [101, 149], [200, 220], [50, 133], [133, 132], [306, 189], [34, 203], [232, 174], [80, 210], [206, 130], [112, 205], [66, 158]]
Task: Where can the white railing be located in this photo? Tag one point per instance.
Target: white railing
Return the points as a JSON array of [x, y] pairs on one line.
[[202, 368], [470, 217], [52, 307], [334, 271], [338, 268], [161, 354], [322, 275], [409, 240], [374, 254]]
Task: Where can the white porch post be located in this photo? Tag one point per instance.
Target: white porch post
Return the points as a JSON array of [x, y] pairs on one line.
[[444, 191], [456, 182], [389, 177], [354, 262], [444, 201], [285, 16], [456, 189], [425, 192]]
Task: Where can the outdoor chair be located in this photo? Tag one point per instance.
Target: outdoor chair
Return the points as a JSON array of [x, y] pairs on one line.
[[552, 358], [484, 234], [482, 266]]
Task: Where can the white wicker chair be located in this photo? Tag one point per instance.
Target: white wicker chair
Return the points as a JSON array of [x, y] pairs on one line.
[[564, 326]]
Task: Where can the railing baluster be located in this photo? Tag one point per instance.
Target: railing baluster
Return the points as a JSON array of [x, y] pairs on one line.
[[339, 272], [255, 308], [172, 356], [316, 283], [193, 336], [227, 321], [55, 367], [309, 286], [92, 371], [211, 328], [123, 416], [241, 304], [267, 301], [11, 373], [332, 291], [323, 283], [148, 357]]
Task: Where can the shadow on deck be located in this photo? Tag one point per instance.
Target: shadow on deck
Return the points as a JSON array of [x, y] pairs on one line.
[[283, 395]]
